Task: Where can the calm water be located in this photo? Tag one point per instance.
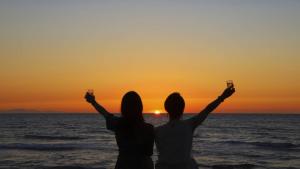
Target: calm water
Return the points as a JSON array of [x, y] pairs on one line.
[[70, 141]]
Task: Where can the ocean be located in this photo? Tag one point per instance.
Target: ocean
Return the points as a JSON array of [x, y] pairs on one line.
[[81, 141]]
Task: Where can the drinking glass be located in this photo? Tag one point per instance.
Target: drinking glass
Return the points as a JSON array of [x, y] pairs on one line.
[[229, 83], [90, 91]]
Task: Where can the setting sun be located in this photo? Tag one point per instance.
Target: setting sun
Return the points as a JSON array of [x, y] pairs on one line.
[[157, 112]]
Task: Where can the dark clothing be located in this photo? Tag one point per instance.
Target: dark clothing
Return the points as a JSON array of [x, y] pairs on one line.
[[135, 142]]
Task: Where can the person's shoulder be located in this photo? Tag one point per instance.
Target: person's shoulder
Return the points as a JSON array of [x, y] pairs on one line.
[[148, 126], [161, 127], [112, 122], [113, 116]]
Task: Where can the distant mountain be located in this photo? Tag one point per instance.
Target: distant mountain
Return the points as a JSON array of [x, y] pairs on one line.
[[20, 110]]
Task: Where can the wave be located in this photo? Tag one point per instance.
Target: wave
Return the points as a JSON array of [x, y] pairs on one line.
[[237, 166], [266, 144], [47, 147], [47, 137], [275, 145]]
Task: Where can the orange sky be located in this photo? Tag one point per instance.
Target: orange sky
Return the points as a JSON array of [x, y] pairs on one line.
[[51, 53]]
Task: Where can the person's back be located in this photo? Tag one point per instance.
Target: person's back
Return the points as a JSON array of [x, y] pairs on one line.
[[136, 140], [135, 143], [174, 139], [174, 143], [134, 137]]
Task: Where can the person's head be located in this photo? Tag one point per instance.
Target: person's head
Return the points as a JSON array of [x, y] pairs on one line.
[[174, 105], [132, 107]]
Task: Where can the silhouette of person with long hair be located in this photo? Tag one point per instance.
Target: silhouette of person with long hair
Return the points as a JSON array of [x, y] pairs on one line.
[[135, 138], [174, 139]]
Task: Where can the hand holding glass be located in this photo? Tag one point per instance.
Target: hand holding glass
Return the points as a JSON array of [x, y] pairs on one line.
[[229, 83], [90, 92]]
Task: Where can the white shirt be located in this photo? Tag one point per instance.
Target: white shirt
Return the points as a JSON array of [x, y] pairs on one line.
[[174, 144]]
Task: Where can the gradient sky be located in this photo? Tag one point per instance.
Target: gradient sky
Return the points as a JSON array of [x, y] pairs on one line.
[[51, 52]]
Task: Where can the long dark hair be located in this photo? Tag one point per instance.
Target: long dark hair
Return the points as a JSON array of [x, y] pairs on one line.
[[132, 108]]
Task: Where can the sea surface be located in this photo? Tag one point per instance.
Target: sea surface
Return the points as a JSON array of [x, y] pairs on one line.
[[81, 141]]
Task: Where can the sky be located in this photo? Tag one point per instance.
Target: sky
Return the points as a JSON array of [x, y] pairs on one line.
[[51, 52]]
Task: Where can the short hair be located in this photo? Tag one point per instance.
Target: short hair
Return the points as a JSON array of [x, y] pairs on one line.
[[174, 105]]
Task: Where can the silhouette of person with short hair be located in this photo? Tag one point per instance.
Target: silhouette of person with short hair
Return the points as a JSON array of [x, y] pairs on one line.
[[174, 139], [134, 137]]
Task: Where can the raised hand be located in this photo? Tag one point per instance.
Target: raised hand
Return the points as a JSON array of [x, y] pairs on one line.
[[89, 97], [228, 92]]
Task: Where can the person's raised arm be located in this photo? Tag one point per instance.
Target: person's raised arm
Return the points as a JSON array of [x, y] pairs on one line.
[[200, 117], [90, 98]]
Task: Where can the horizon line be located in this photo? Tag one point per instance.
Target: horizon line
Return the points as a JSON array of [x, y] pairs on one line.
[[151, 113], [36, 111]]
